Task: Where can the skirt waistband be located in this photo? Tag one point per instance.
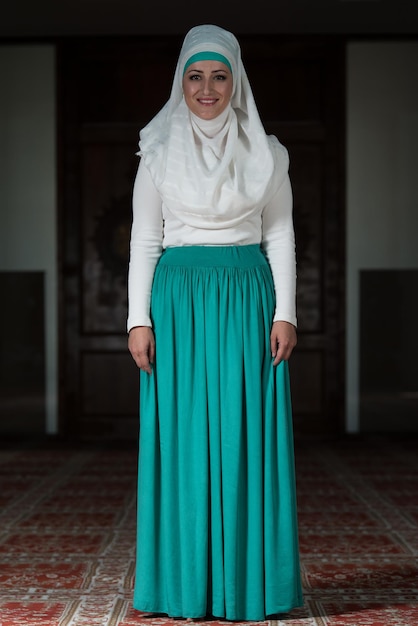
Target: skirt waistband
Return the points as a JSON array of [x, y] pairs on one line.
[[214, 256]]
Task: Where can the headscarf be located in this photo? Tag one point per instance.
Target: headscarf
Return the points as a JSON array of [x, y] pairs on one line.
[[212, 173]]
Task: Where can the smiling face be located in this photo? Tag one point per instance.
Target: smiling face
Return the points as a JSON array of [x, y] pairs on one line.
[[207, 88]]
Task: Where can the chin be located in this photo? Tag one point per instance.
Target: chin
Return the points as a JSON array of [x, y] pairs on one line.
[[207, 115]]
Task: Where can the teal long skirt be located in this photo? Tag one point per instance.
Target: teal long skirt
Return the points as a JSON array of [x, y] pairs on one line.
[[217, 522]]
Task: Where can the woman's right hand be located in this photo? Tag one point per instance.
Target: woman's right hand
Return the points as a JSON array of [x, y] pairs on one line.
[[141, 344]]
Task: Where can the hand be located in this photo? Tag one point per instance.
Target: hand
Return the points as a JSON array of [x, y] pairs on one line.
[[141, 344], [282, 341]]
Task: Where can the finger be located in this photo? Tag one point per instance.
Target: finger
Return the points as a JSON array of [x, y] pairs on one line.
[[284, 351], [145, 368], [144, 363], [273, 345], [135, 358], [276, 349], [141, 359], [279, 356]]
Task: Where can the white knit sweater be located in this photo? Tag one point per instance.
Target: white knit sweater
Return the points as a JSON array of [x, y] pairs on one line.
[[155, 228]]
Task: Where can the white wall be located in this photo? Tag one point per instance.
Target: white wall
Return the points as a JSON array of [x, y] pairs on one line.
[[382, 176], [28, 238]]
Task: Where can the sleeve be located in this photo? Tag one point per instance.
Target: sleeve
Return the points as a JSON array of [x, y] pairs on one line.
[[278, 241], [145, 247]]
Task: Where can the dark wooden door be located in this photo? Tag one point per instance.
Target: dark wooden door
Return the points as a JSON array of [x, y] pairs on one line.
[[299, 87], [108, 89]]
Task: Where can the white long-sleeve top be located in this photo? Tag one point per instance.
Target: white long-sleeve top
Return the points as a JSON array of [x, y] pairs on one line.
[[155, 228]]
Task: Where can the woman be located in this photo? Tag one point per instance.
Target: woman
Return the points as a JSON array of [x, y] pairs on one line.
[[211, 325]]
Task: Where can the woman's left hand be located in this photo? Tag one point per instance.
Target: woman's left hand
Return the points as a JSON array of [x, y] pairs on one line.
[[282, 341]]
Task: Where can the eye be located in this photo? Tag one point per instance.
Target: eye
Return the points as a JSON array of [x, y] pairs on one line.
[[194, 77], [220, 77]]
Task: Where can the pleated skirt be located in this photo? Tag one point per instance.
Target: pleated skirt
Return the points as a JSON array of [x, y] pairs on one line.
[[217, 520]]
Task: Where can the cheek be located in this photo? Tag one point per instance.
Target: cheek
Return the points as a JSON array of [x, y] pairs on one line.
[[227, 91], [187, 90]]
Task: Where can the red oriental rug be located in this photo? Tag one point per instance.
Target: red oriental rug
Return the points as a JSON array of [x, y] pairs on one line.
[[67, 535]]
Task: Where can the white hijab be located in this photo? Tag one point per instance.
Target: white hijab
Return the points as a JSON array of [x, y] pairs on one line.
[[212, 173]]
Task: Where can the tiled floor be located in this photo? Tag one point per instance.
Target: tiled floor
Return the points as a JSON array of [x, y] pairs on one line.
[[67, 535]]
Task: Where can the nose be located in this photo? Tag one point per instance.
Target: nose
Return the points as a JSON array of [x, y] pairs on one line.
[[206, 86]]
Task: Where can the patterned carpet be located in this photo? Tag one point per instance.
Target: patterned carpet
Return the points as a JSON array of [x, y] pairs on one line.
[[67, 523]]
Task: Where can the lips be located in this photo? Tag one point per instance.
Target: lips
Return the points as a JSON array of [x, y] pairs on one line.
[[207, 101]]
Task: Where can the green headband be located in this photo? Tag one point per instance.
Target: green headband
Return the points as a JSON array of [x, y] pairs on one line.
[[207, 55]]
